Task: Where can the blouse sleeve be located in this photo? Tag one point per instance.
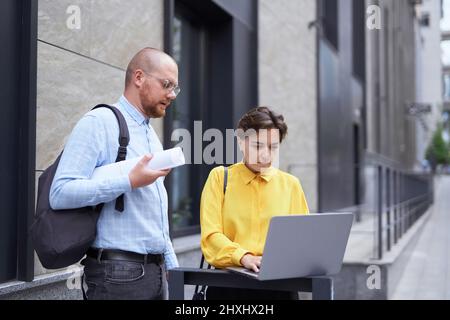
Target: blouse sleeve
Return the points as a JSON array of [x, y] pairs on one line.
[[298, 199], [218, 250]]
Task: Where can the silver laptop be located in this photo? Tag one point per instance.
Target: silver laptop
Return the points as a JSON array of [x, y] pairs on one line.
[[303, 245]]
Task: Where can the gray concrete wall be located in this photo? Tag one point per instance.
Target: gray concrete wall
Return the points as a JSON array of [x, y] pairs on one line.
[[429, 73], [372, 74], [287, 82], [390, 60], [79, 68]]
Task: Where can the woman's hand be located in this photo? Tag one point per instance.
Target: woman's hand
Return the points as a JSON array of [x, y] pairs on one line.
[[251, 262]]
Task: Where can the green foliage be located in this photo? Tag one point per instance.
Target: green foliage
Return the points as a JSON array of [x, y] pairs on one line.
[[438, 152]]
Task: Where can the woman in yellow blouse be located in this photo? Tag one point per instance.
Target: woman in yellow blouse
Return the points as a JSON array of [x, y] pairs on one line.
[[234, 224]]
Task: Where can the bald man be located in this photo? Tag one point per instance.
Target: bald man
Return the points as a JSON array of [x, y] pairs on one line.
[[132, 251]]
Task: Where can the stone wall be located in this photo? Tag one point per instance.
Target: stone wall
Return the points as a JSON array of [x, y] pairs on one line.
[[288, 83], [79, 68]]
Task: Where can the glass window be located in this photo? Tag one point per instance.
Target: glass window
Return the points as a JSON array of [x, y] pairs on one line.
[[184, 187]]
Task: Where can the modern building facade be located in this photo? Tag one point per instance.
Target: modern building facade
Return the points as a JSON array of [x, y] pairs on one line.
[[340, 86]]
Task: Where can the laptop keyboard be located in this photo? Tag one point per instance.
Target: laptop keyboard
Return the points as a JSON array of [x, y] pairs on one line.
[[250, 272]]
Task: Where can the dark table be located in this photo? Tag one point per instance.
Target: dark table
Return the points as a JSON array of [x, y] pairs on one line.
[[321, 287]]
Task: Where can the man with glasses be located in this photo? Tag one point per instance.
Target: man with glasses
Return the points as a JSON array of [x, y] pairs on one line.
[[132, 250]]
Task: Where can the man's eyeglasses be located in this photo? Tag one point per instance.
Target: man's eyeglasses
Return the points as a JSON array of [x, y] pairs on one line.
[[167, 84]]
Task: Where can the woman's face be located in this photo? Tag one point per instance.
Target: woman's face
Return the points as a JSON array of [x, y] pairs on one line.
[[261, 149]]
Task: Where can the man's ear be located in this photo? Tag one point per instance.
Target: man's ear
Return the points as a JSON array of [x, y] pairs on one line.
[[138, 78]]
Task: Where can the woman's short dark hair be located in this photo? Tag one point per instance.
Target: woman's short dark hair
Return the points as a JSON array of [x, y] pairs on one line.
[[262, 118]]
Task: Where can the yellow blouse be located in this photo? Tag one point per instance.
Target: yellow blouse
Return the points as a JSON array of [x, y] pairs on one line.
[[238, 224]]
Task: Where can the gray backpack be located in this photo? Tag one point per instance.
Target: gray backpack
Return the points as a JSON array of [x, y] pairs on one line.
[[62, 237]]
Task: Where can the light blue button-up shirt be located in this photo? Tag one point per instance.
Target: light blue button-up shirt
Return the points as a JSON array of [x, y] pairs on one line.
[[143, 226]]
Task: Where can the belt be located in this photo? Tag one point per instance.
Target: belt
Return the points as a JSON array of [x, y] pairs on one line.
[[121, 255]]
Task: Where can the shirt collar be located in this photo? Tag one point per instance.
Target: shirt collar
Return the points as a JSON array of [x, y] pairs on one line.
[[248, 175], [133, 111]]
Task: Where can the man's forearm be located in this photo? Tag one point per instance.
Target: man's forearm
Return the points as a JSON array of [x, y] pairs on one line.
[[83, 192]]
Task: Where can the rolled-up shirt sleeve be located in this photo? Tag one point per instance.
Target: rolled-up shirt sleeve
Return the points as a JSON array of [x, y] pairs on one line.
[[84, 151]]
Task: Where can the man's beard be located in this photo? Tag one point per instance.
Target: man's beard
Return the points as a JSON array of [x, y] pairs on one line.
[[151, 109]]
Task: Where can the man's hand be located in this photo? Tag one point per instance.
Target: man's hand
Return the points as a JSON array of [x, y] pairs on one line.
[[251, 262], [141, 176]]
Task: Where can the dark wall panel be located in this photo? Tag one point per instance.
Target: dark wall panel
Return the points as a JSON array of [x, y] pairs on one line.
[[245, 84], [244, 11], [229, 64], [10, 33], [336, 129]]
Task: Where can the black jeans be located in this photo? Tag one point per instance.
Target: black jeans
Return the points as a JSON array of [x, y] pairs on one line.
[[123, 280]]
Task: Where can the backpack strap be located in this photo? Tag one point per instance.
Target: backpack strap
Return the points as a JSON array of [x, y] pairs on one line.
[[124, 139], [225, 182], [225, 179]]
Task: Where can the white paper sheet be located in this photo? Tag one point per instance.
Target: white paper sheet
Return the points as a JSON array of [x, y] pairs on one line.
[[166, 159]]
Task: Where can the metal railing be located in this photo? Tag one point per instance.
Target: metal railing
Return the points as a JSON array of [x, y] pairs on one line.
[[392, 198], [402, 197]]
